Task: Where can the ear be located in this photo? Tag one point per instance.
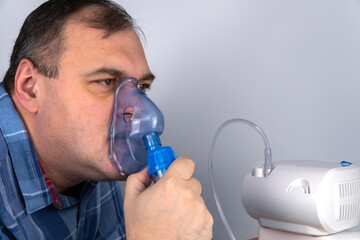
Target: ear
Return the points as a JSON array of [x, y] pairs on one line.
[[26, 85]]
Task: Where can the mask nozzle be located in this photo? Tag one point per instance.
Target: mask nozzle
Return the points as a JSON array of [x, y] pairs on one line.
[[159, 158], [152, 141]]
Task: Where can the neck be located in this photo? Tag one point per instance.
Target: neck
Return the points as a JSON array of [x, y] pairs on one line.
[[61, 183]]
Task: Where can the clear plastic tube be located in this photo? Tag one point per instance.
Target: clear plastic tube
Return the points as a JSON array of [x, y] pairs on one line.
[[267, 165]]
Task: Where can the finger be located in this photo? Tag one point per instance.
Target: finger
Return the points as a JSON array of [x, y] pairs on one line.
[[183, 167], [195, 185], [136, 184]]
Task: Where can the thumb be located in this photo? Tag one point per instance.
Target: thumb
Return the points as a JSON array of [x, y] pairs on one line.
[[136, 184]]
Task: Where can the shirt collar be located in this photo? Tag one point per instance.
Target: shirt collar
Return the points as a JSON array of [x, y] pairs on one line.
[[26, 166]]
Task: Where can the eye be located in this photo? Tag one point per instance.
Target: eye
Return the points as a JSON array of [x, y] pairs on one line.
[[108, 82], [143, 87]]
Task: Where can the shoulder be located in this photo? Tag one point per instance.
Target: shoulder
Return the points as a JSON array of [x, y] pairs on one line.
[[3, 148], [10, 207], [7, 180]]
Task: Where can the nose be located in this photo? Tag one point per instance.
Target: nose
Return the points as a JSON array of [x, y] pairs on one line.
[[128, 113]]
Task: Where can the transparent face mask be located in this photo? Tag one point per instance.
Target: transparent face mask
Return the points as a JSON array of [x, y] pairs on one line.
[[134, 116]]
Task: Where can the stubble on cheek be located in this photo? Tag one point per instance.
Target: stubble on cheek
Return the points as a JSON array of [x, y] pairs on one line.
[[78, 131], [92, 138]]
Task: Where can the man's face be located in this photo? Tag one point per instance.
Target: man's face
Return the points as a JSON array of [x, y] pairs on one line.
[[75, 109]]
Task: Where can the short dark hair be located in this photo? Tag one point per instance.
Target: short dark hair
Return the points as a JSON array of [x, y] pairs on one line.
[[41, 37]]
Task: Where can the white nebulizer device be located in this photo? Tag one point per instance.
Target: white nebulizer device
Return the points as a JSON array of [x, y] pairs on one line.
[[298, 199], [315, 198]]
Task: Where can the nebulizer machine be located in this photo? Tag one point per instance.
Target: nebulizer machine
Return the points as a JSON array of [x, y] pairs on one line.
[[291, 199], [135, 127], [297, 199]]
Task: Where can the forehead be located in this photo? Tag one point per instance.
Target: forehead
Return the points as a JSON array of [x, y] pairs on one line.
[[77, 35], [87, 47]]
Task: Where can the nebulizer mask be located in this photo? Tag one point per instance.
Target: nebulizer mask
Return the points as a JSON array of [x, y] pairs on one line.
[[134, 133]]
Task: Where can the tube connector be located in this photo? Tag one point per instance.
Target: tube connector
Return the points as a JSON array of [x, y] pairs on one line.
[[268, 167]]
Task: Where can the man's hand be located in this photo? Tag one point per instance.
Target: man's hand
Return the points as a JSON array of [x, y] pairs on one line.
[[170, 209]]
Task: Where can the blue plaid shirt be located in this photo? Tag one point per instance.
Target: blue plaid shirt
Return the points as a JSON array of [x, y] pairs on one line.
[[31, 209]]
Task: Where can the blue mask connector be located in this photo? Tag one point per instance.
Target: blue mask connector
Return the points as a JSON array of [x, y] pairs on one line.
[[159, 158]]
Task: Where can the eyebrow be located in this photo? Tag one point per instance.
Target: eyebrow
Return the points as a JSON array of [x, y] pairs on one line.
[[148, 77], [118, 74], [111, 71]]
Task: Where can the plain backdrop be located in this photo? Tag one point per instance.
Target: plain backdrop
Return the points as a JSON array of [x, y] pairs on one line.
[[292, 67]]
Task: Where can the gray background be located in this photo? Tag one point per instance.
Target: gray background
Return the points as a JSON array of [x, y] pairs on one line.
[[292, 67]]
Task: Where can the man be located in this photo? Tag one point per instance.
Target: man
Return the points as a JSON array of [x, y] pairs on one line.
[[57, 181]]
